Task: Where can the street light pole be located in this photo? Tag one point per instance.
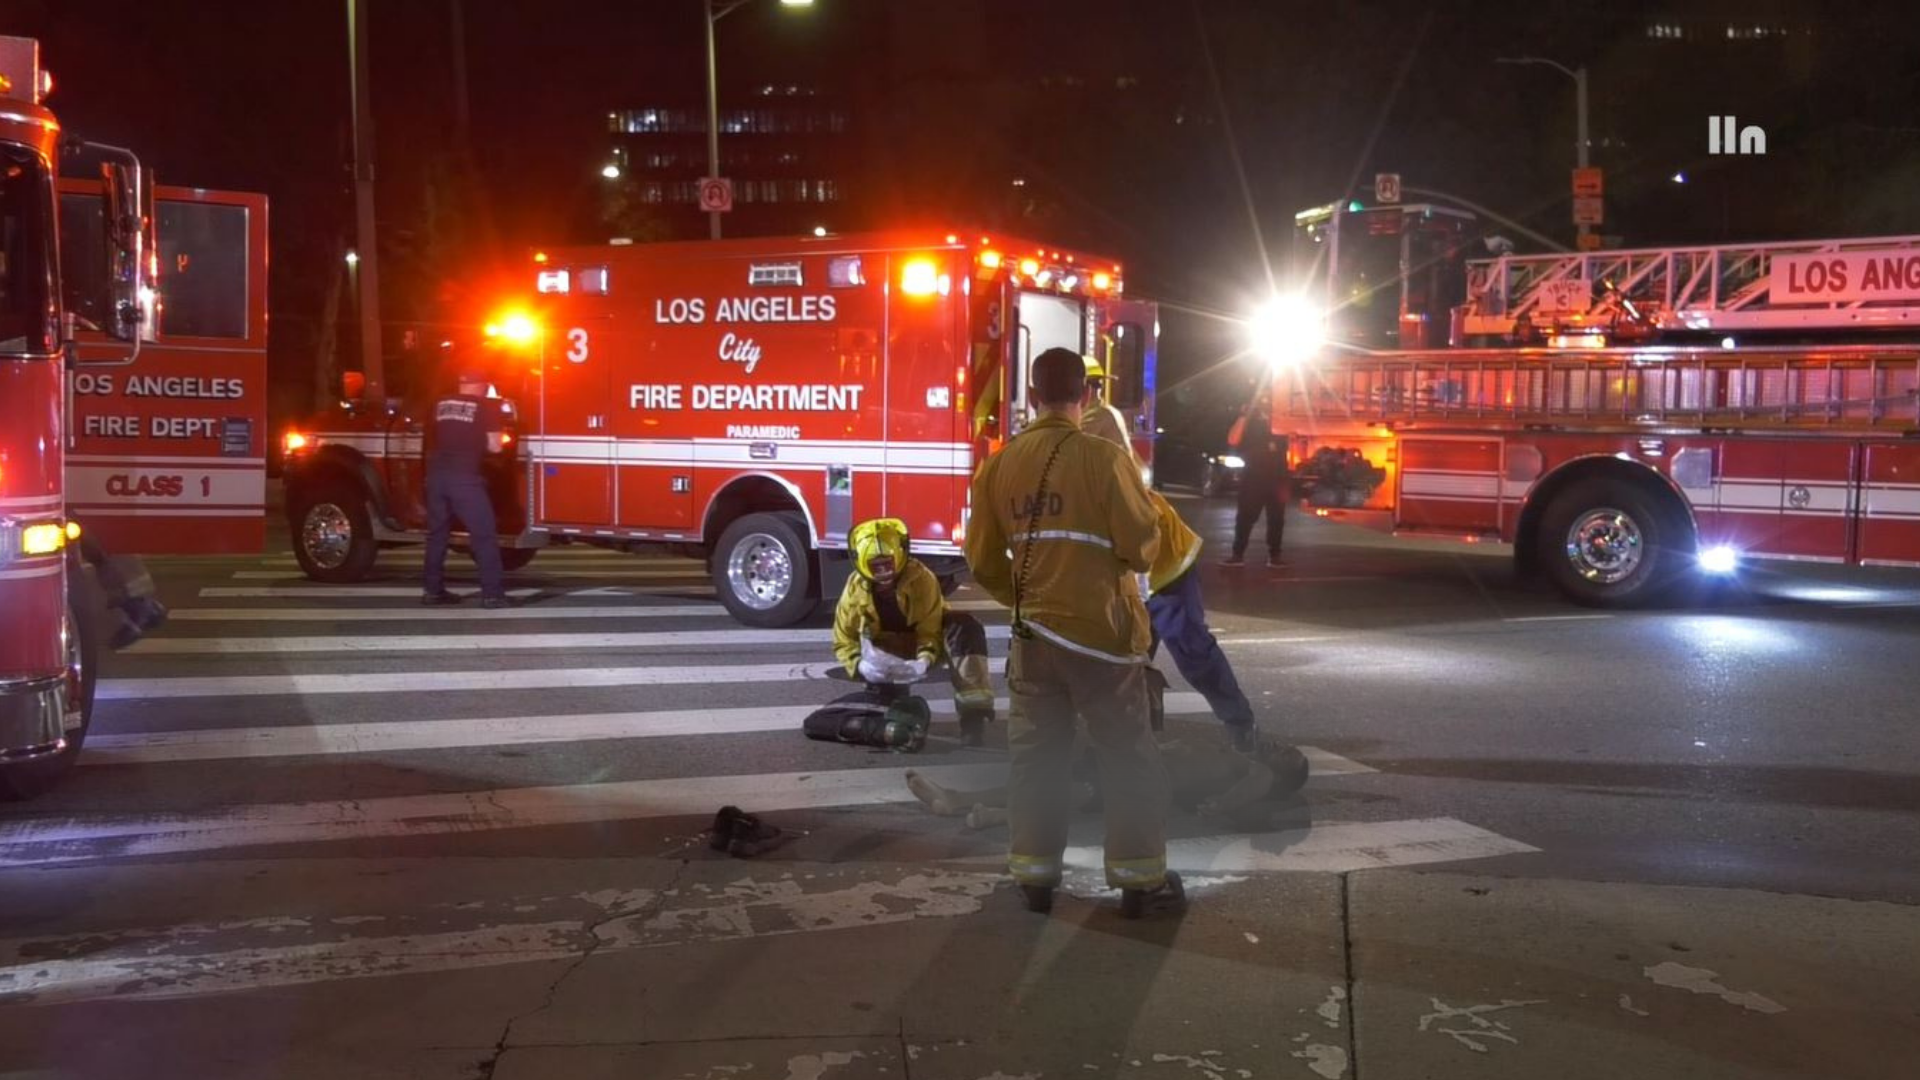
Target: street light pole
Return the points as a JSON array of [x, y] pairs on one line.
[[367, 267], [714, 14], [713, 108], [1579, 77]]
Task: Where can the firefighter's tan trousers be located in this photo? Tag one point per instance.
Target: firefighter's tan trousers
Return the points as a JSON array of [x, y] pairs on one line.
[[1051, 687], [964, 649]]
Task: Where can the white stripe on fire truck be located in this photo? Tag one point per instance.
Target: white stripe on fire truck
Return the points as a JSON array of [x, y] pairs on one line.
[[369, 643], [490, 680], [1899, 501], [145, 459], [25, 573], [29, 503], [304, 740]]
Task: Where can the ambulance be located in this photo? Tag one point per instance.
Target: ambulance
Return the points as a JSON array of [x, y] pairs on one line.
[[746, 401]]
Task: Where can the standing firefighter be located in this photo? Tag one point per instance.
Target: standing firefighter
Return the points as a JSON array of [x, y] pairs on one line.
[[1061, 525], [466, 428], [1263, 483], [892, 610]]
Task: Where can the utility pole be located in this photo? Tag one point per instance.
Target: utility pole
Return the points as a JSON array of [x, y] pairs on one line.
[[366, 244]]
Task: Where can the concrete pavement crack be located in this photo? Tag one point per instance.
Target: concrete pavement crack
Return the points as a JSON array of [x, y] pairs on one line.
[[1353, 1003], [592, 930]]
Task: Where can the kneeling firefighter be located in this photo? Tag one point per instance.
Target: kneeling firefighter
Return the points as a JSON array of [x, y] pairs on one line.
[[892, 626]]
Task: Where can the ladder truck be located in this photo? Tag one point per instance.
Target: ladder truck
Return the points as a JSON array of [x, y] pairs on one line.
[[1631, 421]]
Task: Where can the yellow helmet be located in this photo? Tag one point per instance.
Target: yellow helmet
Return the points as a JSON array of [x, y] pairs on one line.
[[1094, 370], [876, 539]]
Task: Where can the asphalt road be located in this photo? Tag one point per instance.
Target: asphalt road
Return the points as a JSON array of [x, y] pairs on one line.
[[327, 796]]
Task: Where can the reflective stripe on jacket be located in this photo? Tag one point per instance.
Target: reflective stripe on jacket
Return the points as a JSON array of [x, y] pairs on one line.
[[1093, 531], [916, 590]]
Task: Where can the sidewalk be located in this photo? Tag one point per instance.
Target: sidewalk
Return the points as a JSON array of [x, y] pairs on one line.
[[802, 971]]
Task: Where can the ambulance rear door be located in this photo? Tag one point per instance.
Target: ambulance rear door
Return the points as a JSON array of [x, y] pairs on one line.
[[1129, 351]]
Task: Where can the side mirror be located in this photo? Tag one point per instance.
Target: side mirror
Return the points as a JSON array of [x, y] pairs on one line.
[[126, 246]]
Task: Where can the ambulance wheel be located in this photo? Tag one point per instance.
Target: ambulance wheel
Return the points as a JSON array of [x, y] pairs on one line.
[[28, 779], [1612, 545], [333, 533], [517, 558], [762, 571]]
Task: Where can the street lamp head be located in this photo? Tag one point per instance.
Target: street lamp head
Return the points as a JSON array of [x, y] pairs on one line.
[[610, 171], [353, 258]]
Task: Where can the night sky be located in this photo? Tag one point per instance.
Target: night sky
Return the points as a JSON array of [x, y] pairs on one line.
[[1177, 134]]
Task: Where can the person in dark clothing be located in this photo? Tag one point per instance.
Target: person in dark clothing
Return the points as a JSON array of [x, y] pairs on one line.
[[464, 428], [1263, 482]]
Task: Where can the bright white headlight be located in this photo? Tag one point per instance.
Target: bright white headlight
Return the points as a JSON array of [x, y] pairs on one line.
[[1286, 329]]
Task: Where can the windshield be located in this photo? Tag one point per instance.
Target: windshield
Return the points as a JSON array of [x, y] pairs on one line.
[[27, 324]]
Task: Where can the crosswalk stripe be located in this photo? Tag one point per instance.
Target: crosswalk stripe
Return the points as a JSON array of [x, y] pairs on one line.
[[361, 592], [585, 555], [220, 686], [219, 744], [1324, 847], [691, 572], [52, 841], [475, 613], [387, 643]]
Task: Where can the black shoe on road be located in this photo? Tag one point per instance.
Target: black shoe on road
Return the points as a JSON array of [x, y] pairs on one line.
[[1244, 739], [1038, 898], [494, 603], [1275, 562], [1170, 897], [436, 599], [1236, 559]]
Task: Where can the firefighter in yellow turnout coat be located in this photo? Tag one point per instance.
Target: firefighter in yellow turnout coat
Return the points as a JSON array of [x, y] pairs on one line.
[[894, 603], [1061, 525]]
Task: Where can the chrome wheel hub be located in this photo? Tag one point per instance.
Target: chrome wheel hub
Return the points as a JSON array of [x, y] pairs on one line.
[[1605, 546], [760, 572], [327, 535]]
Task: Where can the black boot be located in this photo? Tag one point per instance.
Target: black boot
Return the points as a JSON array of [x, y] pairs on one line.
[[1170, 896], [1039, 898], [973, 728]]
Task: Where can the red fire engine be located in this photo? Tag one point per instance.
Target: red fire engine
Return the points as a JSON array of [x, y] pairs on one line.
[[1627, 419], [46, 637], [748, 401], [132, 400]]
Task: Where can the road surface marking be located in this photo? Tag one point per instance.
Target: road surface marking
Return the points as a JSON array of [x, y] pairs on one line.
[[157, 962], [328, 592], [468, 573], [445, 681], [216, 744], [49, 841], [390, 643], [1277, 640], [1329, 848], [1557, 618], [475, 613]]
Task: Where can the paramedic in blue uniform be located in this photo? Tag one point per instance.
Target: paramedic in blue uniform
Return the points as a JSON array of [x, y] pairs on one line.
[[464, 429]]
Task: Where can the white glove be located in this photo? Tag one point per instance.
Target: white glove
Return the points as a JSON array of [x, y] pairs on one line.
[[917, 669], [872, 672]]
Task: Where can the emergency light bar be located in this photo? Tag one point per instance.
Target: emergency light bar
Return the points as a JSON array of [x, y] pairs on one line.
[[774, 274]]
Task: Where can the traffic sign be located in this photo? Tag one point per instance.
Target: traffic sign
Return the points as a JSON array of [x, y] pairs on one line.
[[1588, 210], [1386, 187], [1588, 183], [716, 195]]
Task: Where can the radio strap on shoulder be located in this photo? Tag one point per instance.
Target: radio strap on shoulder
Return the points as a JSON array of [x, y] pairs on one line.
[[1033, 528]]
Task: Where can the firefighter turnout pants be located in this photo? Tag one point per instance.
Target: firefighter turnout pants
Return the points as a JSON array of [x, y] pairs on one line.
[[465, 498], [1052, 687], [964, 642]]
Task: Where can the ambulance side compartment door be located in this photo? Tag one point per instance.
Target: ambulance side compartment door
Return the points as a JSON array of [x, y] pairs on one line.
[[573, 456]]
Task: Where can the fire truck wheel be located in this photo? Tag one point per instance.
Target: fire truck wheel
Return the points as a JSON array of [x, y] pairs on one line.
[[27, 780], [1608, 544], [333, 533], [762, 571]]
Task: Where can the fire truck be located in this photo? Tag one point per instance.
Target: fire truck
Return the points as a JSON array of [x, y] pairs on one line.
[[47, 642], [1631, 421], [746, 401]]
